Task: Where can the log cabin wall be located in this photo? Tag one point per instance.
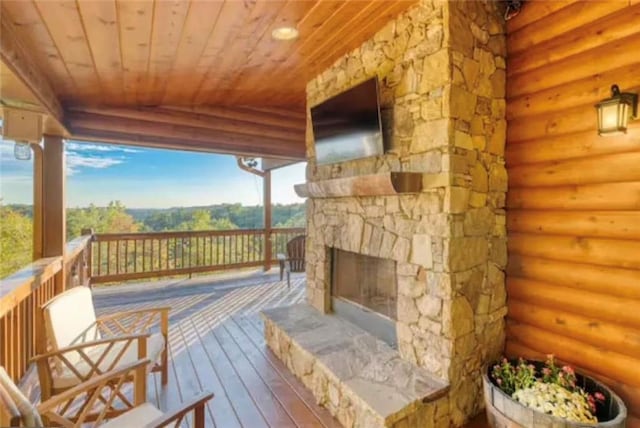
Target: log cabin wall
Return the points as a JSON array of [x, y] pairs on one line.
[[573, 216]]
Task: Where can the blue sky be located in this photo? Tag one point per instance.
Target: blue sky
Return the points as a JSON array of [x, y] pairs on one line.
[[147, 178]]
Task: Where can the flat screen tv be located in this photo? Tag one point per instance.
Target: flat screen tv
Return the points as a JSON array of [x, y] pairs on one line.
[[348, 125]]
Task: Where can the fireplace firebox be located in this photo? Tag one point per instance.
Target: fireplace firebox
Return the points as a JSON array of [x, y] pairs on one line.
[[364, 291]]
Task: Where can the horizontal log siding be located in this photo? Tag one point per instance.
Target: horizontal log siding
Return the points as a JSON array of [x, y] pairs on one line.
[[574, 198]]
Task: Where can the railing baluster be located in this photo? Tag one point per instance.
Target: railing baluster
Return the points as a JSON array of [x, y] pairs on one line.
[[218, 250], [12, 346]]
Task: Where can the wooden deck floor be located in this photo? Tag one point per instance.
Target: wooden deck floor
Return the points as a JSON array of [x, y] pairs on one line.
[[216, 343]]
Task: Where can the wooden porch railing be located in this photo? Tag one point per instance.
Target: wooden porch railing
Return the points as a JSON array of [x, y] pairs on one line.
[[129, 256], [21, 296]]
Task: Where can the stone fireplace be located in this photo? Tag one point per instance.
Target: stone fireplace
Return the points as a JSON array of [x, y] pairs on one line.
[[363, 291], [442, 75]]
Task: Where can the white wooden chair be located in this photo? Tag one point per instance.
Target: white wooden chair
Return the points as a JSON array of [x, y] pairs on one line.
[[92, 402], [79, 345]]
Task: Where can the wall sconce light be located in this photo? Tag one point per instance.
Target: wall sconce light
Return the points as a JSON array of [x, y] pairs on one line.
[[614, 112], [22, 150]]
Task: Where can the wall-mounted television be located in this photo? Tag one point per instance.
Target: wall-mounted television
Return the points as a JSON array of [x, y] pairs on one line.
[[348, 126]]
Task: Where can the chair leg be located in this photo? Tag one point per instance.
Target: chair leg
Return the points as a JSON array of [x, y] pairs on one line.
[[288, 279], [164, 326], [198, 417], [164, 374], [281, 262], [140, 386]]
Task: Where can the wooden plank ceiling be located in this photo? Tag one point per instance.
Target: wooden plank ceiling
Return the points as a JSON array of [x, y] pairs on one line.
[[190, 55]]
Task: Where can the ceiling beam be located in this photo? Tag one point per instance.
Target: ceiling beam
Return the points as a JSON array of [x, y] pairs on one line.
[[248, 114], [163, 134], [18, 59], [287, 129], [159, 142]]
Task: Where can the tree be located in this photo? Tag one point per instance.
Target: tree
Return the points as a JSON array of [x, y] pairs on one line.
[[199, 220], [298, 220], [16, 241], [110, 219]]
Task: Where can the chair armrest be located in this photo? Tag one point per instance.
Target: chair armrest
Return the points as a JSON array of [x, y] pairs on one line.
[[178, 414], [122, 314], [83, 345], [281, 257], [139, 319]]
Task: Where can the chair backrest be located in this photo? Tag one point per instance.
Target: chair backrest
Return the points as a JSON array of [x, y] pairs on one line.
[[295, 253], [12, 397], [70, 318]]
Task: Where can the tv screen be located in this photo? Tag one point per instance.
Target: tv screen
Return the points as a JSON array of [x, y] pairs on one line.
[[348, 125]]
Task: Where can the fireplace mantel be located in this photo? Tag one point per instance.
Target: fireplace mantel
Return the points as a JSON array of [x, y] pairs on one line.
[[382, 184]]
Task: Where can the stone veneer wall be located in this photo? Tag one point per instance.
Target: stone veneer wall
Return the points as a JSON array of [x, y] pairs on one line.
[[442, 72]]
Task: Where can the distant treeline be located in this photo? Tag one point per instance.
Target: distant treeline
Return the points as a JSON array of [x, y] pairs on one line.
[[116, 218], [241, 216]]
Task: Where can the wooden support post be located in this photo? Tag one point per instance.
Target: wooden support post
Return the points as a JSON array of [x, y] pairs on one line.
[[267, 219], [53, 203], [38, 181]]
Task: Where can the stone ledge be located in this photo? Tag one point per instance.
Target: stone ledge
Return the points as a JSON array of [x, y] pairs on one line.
[[380, 184], [359, 378]]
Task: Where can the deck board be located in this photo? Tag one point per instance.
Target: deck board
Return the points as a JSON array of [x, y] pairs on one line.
[[216, 344]]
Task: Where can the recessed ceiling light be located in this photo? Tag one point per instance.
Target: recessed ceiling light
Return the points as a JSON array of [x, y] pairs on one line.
[[285, 33]]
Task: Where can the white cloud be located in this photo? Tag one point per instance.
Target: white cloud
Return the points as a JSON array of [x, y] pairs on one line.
[[75, 161], [90, 147], [16, 179], [97, 156]]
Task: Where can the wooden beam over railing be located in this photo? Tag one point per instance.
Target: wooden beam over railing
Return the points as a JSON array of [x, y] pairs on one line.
[[222, 130]]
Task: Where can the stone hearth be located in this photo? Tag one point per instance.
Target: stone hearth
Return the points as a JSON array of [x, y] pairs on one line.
[[441, 70], [361, 380]]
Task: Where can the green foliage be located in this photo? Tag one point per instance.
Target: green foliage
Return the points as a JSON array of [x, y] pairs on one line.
[[563, 376], [297, 220], [116, 218], [513, 377], [201, 220], [110, 219], [223, 217], [16, 241]]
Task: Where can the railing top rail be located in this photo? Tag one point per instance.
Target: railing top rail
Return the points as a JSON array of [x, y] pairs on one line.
[[102, 237], [17, 287], [76, 246]]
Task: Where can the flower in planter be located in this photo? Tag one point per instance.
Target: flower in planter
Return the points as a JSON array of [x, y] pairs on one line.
[[556, 400], [511, 378], [552, 390]]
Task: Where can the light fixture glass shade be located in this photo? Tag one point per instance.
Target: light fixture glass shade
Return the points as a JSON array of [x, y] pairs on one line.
[[614, 112], [285, 33], [22, 151]]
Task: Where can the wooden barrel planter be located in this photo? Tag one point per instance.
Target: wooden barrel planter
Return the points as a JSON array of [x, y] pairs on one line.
[[505, 412]]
